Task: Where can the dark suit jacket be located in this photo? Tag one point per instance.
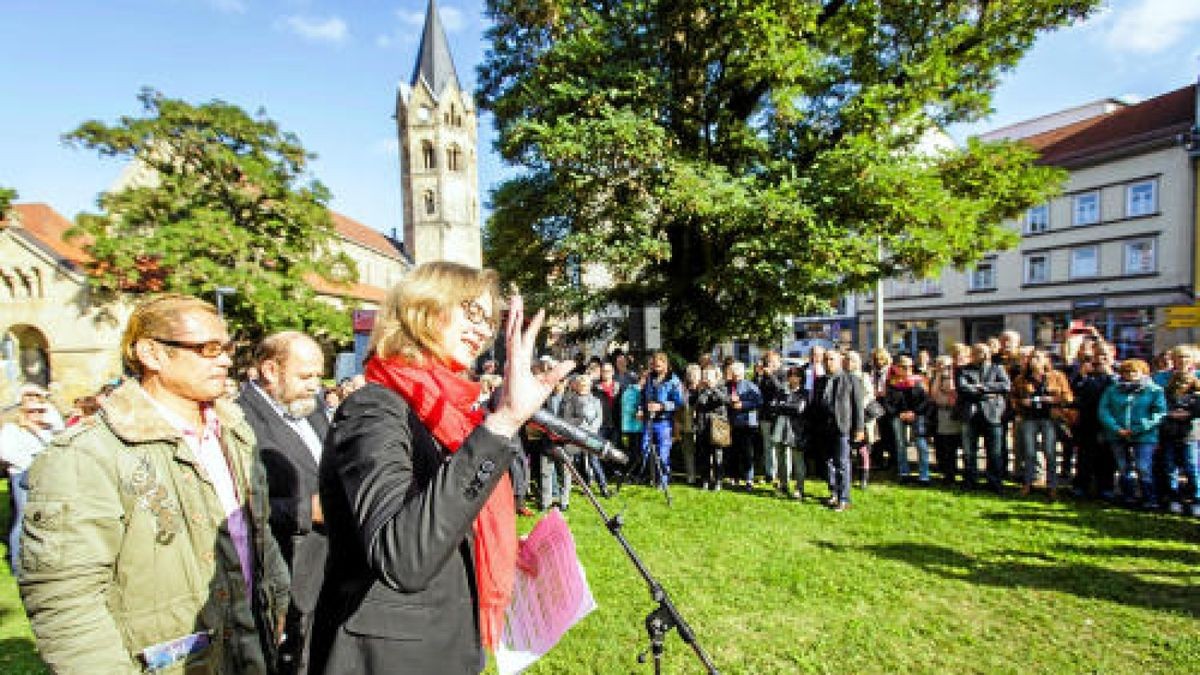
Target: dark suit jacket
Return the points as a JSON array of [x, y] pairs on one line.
[[399, 592], [291, 481], [838, 408], [982, 391]]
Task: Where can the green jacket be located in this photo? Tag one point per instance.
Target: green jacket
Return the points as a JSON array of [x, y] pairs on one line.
[[124, 546]]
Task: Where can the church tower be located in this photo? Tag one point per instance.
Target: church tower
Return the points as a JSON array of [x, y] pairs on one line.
[[438, 163]]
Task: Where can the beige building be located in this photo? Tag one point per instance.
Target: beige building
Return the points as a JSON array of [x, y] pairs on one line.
[[1113, 251], [436, 121]]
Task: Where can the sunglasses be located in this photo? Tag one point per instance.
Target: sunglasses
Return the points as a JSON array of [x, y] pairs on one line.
[[209, 350], [476, 313]]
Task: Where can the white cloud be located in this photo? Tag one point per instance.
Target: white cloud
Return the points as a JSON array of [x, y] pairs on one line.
[[331, 30], [452, 18], [230, 6], [1151, 26]]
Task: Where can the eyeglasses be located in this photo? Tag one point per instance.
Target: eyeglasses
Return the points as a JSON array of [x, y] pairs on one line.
[[476, 313], [209, 350]]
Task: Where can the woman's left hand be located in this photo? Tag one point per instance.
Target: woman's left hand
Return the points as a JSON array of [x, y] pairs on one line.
[[524, 391]]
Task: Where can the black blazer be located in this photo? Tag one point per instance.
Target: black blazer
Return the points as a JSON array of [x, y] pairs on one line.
[[399, 593], [982, 391], [838, 404], [291, 482]]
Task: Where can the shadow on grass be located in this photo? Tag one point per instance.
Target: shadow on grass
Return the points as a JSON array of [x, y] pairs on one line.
[[1106, 521], [1041, 571]]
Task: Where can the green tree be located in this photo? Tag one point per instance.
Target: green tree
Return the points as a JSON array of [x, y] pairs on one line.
[[7, 197], [225, 203], [738, 161]]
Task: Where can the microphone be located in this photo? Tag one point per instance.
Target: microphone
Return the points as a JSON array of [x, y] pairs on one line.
[[563, 430]]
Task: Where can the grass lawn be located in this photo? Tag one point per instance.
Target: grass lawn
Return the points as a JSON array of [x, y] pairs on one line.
[[909, 580]]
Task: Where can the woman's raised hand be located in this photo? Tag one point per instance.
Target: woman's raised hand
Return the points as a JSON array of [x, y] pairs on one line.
[[523, 391]]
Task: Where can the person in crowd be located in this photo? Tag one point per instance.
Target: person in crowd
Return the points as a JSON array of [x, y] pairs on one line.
[[906, 401], [772, 385], [685, 421], [838, 417], [661, 395], [789, 408], [923, 365], [20, 442], [332, 399], [631, 420], [1094, 462], [711, 400], [1039, 394], [414, 482], [1179, 435], [289, 424], [944, 399], [1130, 413], [587, 412], [608, 390], [554, 477], [982, 388], [885, 443], [1010, 357], [623, 372], [745, 400], [146, 544], [872, 410]]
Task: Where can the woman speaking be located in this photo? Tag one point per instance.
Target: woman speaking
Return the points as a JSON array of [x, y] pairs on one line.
[[417, 502]]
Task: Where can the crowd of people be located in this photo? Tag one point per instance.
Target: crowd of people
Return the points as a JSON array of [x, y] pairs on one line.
[[274, 524], [983, 416]]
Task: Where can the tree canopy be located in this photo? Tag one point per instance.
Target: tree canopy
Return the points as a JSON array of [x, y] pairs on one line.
[[225, 203], [740, 161], [7, 197]]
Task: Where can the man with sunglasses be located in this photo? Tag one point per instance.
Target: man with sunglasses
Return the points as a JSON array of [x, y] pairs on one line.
[[145, 543]]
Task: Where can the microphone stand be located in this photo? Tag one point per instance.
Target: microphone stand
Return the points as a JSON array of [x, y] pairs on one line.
[[665, 616]]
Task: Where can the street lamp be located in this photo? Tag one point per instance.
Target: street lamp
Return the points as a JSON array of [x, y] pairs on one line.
[[221, 292]]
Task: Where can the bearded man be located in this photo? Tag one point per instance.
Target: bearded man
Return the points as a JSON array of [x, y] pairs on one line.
[[283, 409]]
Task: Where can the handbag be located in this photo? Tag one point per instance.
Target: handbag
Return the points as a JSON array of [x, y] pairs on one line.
[[720, 431]]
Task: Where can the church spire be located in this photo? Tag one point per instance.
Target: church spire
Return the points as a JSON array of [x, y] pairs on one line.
[[434, 64]]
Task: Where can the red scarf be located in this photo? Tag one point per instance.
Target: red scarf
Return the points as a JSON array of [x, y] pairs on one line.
[[444, 401]]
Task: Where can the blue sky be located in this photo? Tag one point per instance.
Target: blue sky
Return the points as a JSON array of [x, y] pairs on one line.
[[328, 71]]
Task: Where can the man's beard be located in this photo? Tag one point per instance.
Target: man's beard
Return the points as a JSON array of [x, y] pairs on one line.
[[301, 407]]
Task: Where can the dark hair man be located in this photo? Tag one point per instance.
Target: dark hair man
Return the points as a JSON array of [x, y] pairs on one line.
[[289, 424], [146, 542]]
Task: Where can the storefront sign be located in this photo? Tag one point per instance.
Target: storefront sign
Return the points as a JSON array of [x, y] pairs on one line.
[[1088, 303]]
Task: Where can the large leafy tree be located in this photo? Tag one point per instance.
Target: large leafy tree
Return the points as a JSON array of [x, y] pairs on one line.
[[225, 202], [738, 161], [7, 197]]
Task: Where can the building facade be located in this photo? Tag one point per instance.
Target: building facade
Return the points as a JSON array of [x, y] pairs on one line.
[[1113, 251], [437, 125]]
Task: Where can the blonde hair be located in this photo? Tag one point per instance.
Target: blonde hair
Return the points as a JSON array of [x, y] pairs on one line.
[[157, 317], [415, 309]]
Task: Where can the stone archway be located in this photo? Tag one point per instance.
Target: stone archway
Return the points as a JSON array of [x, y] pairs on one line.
[[25, 355]]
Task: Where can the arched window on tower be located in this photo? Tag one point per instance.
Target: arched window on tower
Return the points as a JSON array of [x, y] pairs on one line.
[[430, 203], [454, 158], [428, 155]]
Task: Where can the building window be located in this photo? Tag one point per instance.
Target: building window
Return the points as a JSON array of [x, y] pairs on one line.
[[1139, 256], [1037, 219], [982, 278], [454, 158], [1086, 208], [430, 203], [428, 155], [1037, 269], [1141, 199], [1085, 262]]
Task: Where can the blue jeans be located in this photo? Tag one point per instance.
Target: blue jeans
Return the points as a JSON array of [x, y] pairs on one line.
[[1181, 454], [838, 467], [16, 486], [972, 431], [660, 433], [901, 431], [1030, 431], [1143, 463]]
